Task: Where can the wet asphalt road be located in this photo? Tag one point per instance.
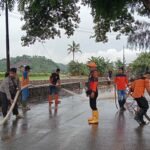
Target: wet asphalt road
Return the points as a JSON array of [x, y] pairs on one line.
[[65, 127]]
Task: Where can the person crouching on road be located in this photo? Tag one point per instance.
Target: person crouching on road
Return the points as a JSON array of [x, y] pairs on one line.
[[138, 87], [8, 90], [92, 92], [53, 88], [121, 83]]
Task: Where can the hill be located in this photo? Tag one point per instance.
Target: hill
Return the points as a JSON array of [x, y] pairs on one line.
[[39, 64]]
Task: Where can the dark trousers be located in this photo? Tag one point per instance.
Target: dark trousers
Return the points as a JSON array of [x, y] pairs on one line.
[[93, 104], [5, 103], [143, 104]]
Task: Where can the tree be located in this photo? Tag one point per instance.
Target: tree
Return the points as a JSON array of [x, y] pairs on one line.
[[141, 64], [118, 16], [44, 19], [11, 4], [76, 68], [118, 63], [74, 48], [102, 65]]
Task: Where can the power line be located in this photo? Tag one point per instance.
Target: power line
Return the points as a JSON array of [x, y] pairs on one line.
[[80, 29]]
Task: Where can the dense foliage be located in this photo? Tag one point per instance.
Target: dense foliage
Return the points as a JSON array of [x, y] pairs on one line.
[[141, 64], [103, 65], [76, 68], [44, 19], [38, 64]]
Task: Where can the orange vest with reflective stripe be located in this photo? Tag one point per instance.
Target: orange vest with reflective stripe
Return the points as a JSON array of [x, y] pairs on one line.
[[93, 81]]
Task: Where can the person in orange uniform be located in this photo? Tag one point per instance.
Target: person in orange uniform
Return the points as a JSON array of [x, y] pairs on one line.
[[138, 87], [25, 92], [147, 78], [121, 83], [53, 88], [92, 92]]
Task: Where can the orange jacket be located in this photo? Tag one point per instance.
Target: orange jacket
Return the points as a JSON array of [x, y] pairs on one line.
[[25, 79], [121, 81], [138, 87], [93, 81], [148, 85]]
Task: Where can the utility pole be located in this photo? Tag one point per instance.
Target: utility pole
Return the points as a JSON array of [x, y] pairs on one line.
[[7, 37], [124, 61]]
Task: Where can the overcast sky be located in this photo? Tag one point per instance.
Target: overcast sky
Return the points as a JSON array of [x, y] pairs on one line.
[[57, 49]]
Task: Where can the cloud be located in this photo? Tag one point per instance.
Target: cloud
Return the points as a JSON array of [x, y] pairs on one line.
[[57, 49], [111, 54]]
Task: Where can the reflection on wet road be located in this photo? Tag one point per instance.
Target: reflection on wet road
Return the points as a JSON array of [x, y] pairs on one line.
[[65, 127]]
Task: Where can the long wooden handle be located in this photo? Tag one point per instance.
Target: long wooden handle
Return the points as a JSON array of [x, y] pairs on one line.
[[13, 105], [115, 90], [11, 108]]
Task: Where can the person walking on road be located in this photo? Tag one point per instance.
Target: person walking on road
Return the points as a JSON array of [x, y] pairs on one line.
[[121, 83]]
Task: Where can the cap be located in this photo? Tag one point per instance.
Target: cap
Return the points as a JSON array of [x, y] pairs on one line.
[[92, 64]]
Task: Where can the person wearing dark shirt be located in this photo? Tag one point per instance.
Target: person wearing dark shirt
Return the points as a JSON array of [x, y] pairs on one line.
[[109, 77], [53, 88]]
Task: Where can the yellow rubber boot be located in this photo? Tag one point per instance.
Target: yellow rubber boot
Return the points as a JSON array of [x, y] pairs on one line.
[[50, 99], [95, 119], [90, 119]]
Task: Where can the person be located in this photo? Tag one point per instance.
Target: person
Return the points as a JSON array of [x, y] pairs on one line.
[[55, 82], [21, 68], [25, 91], [138, 87], [6, 75], [109, 77], [147, 78], [92, 92], [121, 83], [8, 90]]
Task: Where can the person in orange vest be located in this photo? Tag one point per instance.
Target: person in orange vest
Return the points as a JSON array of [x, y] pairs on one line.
[[53, 88], [147, 78], [92, 92], [121, 83], [138, 87], [25, 92]]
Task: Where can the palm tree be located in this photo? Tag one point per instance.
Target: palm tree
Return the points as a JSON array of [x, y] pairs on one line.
[[74, 48]]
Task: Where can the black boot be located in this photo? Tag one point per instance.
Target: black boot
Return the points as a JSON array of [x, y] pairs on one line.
[[123, 103], [120, 105], [137, 118], [141, 114]]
